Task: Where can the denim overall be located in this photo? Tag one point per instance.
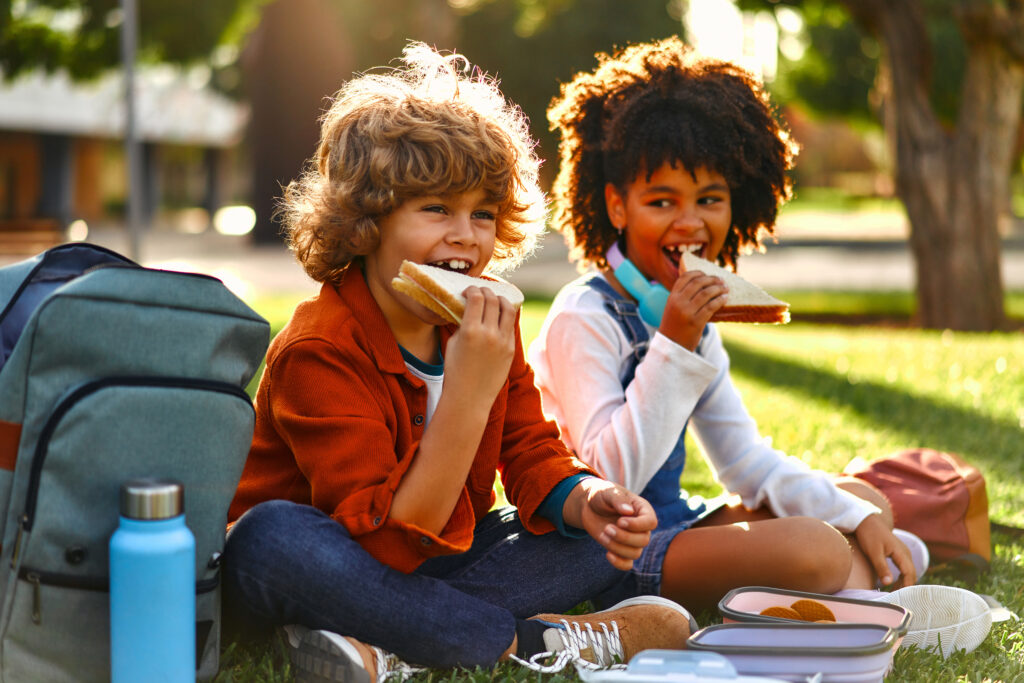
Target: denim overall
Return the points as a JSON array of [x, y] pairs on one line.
[[662, 491]]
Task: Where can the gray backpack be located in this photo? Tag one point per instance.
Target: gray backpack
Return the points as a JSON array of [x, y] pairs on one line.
[[109, 372]]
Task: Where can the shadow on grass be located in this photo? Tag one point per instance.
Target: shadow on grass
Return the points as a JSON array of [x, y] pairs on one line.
[[992, 444]]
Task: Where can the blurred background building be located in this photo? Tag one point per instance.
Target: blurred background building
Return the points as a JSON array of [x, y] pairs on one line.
[[62, 165]]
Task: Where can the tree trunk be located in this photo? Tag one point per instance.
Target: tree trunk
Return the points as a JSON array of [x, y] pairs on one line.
[[954, 185], [294, 60]]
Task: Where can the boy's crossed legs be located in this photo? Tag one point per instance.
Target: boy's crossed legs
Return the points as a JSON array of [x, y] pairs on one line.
[[292, 564]]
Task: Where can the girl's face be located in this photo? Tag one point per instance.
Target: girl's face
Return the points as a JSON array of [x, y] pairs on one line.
[[671, 212], [456, 232]]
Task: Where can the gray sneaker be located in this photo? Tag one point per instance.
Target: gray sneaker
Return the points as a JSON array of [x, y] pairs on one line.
[[322, 656]]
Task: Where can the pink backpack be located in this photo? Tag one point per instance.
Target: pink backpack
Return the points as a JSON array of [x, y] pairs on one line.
[[940, 498]]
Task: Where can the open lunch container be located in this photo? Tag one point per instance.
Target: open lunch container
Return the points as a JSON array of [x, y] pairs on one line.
[[794, 651], [744, 605]]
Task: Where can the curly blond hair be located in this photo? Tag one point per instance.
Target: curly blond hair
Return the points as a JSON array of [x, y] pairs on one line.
[[656, 103], [429, 127]]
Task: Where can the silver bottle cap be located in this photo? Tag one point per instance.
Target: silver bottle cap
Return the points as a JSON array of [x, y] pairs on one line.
[[152, 499]]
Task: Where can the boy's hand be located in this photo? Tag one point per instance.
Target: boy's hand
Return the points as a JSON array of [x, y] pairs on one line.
[[694, 298], [877, 542], [479, 354], [619, 520]]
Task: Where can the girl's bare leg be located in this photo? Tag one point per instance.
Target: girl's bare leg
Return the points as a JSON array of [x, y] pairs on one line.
[[868, 492], [735, 547]]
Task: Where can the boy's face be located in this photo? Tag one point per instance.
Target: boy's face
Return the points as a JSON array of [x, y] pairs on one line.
[[456, 232], [671, 212]]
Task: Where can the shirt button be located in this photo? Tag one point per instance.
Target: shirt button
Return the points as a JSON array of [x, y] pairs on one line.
[[376, 521], [424, 540], [418, 420]]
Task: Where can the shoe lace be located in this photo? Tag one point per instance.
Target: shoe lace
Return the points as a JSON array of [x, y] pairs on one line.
[[585, 647], [390, 667]]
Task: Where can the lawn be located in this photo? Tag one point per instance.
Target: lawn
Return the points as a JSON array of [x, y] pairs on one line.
[[829, 393]]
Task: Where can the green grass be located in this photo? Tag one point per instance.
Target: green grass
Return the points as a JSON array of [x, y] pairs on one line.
[[833, 199], [828, 394]]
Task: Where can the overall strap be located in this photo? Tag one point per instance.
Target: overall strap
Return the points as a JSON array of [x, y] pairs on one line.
[[663, 490], [627, 315]]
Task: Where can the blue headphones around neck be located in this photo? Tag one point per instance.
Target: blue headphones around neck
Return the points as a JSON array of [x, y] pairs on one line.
[[651, 296]]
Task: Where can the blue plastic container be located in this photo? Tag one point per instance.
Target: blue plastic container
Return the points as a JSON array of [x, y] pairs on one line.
[[152, 586]]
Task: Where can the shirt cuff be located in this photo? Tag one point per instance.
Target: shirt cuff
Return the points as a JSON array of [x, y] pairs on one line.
[[551, 507]]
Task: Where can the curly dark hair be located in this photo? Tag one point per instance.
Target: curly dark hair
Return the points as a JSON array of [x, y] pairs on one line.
[[656, 103]]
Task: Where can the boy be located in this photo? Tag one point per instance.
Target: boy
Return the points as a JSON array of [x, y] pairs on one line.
[[363, 523]]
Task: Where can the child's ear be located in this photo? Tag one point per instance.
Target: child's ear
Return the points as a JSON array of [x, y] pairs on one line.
[[616, 206]]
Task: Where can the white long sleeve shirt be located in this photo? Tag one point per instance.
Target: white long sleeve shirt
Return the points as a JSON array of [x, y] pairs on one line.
[[627, 434]]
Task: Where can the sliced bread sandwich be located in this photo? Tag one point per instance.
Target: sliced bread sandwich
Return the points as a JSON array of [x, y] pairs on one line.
[[441, 290], [747, 303]]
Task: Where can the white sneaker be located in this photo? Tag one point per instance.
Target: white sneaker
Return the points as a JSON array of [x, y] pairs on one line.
[[918, 553], [946, 618], [322, 656], [609, 638]]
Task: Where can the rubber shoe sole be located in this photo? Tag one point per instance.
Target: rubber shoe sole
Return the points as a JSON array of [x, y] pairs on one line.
[[323, 657], [943, 618]]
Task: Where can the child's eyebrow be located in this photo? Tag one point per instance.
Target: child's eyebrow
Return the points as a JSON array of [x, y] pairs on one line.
[[711, 187], [656, 189]]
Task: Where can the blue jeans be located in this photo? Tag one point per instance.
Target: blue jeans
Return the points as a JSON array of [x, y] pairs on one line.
[[286, 563]]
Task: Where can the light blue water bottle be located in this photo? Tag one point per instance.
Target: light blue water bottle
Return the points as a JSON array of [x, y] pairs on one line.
[[152, 586]]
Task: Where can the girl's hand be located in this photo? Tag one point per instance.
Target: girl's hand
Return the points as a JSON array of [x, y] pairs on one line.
[[479, 354], [619, 520], [877, 542], [694, 298]]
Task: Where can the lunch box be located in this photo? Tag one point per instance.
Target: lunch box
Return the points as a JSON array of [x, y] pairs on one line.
[[744, 605], [794, 651]]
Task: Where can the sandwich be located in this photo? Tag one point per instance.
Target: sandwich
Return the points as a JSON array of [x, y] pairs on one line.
[[441, 290], [747, 303]]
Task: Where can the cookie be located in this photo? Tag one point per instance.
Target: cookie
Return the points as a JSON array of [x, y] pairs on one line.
[[812, 610], [781, 612]]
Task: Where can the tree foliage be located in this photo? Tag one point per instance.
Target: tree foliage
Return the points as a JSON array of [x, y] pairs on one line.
[[534, 45], [836, 76], [84, 36]]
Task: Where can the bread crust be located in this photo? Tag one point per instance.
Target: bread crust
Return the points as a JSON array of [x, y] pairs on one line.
[[747, 303], [435, 288], [775, 315], [415, 291]]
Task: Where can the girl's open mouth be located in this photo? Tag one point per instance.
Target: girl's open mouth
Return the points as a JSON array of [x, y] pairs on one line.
[[674, 252]]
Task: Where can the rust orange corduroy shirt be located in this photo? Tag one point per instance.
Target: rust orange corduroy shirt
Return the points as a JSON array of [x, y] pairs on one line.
[[339, 420]]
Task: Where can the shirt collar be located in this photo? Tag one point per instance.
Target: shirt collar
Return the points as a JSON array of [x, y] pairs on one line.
[[355, 293]]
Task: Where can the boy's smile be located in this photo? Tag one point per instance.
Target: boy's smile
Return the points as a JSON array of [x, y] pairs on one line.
[[456, 232], [671, 212]]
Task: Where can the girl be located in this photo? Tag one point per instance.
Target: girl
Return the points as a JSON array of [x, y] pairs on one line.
[[664, 152]]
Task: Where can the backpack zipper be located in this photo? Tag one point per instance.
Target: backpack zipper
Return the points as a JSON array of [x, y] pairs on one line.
[[100, 584]]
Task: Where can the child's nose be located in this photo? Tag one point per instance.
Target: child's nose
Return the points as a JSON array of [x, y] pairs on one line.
[[460, 229], [687, 219]]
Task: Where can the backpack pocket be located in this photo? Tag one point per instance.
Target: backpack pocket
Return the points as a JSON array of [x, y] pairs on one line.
[[101, 434], [47, 641]]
